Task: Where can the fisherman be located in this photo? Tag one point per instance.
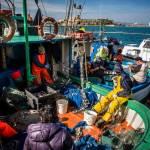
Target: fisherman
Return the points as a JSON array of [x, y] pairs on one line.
[[114, 99], [110, 51], [102, 55], [81, 30], [139, 71], [40, 67], [118, 57], [47, 136], [95, 69]]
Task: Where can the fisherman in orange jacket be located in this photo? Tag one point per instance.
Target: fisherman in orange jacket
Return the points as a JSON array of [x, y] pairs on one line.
[[40, 67]]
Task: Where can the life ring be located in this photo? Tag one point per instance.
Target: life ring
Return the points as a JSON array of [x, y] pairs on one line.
[[41, 28], [11, 28]]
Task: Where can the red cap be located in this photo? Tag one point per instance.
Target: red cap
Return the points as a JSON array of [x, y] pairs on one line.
[[16, 74]]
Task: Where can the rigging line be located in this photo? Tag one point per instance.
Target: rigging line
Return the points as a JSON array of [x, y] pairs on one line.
[[67, 5], [44, 7], [82, 7], [85, 60], [71, 15], [68, 15], [13, 6], [8, 4], [100, 25], [67, 8]]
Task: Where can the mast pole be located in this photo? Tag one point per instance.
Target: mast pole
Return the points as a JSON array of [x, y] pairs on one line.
[[27, 50], [68, 15]]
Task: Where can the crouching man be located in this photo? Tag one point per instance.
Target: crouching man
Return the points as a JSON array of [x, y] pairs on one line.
[[114, 99]]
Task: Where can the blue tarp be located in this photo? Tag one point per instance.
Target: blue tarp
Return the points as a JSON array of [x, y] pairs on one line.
[[86, 142], [75, 98]]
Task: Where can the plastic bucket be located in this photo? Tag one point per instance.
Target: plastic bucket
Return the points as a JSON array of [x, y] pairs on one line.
[[90, 117], [62, 106]]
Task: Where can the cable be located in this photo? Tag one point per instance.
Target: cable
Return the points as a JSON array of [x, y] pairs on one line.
[[8, 4], [82, 7], [68, 15], [44, 7], [71, 16], [67, 5]]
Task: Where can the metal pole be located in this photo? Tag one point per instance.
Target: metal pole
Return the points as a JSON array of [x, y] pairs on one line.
[[68, 15], [3, 52], [28, 69]]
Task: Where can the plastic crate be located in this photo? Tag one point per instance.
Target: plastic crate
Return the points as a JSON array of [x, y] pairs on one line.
[[41, 95]]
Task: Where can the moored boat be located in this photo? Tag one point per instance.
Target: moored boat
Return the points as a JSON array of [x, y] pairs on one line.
[[137, 116], [143, 50]]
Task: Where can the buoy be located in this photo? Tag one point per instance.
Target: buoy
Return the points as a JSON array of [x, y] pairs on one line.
[[10, 30], [41, 28]]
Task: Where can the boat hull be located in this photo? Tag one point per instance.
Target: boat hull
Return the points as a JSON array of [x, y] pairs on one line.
[[139, 92]]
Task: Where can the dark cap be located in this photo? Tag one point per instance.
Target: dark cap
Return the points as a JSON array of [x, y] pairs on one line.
[[138, 58]]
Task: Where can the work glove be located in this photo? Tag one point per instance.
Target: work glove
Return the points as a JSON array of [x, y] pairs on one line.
[[47, 66]]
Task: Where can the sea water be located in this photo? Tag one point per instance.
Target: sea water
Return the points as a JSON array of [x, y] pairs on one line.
[[127, 35]]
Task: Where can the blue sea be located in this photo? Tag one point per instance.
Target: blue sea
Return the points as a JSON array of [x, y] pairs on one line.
[[127, 35]]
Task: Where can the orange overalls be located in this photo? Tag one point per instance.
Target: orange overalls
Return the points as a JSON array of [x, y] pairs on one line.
[[41, 72]]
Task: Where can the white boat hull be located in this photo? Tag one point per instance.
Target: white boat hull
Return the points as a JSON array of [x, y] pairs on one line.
[[141, 94], [142, 51]]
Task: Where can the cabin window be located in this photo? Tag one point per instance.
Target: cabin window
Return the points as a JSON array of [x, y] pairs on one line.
[[147, 44]]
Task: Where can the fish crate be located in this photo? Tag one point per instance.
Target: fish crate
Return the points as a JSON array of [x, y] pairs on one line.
[[41, 95]]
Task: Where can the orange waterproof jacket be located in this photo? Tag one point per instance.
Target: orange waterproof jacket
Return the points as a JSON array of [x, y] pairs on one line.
[[6, 130], [39, 61]]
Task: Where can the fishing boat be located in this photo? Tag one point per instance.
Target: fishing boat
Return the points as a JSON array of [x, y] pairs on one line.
[[137, 116], [143, 50], [139, 92]]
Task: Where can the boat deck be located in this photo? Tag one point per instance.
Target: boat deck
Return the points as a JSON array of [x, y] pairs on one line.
[[71, 119], [35, 39]]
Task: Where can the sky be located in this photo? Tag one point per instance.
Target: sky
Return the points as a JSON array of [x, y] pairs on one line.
[[119, 10]]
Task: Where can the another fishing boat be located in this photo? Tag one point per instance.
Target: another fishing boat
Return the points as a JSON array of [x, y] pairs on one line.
[[139, 91], [143, 50]]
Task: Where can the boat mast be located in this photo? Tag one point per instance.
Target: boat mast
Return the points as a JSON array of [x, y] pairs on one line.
[[68, 15], [27, 50], [101, 30]]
